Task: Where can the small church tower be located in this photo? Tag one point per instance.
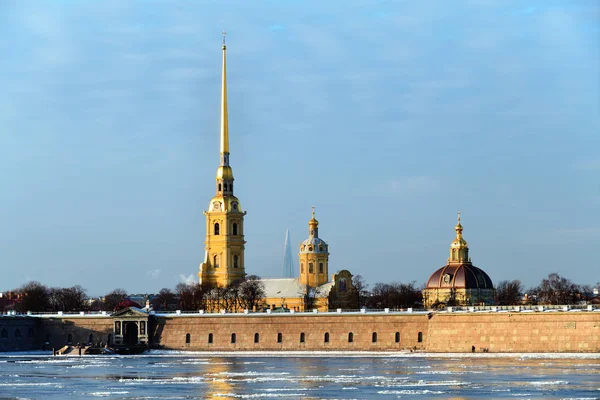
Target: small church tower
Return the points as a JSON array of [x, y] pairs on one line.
[[224, 243], [314, 256]]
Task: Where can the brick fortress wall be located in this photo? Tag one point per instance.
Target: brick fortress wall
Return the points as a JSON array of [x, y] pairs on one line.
[[542, 332], [19, 333], [453, 332], [441, 332], [56, 330], [171, 332]]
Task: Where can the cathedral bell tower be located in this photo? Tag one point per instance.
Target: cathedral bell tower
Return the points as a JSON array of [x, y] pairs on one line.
[[224, 243], [314, 256]]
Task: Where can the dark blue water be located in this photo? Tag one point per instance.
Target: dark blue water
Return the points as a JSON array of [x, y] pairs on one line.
[[311, 376]]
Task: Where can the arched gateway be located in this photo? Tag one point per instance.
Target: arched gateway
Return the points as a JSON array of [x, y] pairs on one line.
[[130, 330]]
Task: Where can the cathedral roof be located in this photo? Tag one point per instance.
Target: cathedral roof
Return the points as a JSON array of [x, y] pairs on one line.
[[459, 276], [290, 288]]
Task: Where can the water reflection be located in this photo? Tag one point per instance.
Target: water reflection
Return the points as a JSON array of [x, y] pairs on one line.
[[218, 377]]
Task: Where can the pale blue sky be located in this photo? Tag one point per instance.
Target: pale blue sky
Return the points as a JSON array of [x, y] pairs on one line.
[[388, 116]]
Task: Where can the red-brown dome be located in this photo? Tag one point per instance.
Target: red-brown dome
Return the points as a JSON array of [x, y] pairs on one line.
[[459, 276]]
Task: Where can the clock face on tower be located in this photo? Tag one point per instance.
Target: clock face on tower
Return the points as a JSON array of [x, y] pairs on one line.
[[217, 206], [234, 206]]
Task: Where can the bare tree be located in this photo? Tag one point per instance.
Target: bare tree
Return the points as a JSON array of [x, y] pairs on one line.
[[251, 292], [201, 295], [360, 286], [165, 300], [33, 296], [213, 298], [113, 298], [585, 293], [555, 289], [185, 293], [230, 296], [309, 296], [509, 293], [394, 295]]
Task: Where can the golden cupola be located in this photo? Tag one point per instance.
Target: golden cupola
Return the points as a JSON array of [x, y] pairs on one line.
[[459, 249]]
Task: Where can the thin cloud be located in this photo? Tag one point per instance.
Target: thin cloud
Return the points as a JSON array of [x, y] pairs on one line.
[[154, 273], [188, 280]]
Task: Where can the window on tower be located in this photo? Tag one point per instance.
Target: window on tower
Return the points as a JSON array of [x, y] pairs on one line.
[[311, 269], [301, 268], [219, 187], [216, 229], [224, 186], [235, 261], [234, 229], [216, 261], [320, 268]]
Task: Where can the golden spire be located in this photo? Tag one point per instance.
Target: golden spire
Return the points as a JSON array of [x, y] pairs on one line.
[[458, 228], [224, 124], [313, 224]]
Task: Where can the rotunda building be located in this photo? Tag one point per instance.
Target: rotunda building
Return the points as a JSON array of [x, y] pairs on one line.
[[459, 282]]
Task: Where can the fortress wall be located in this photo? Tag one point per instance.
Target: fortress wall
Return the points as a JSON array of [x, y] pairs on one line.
[[56, 330], [515, 332], [524, 332], [28, 331], [171, 332]]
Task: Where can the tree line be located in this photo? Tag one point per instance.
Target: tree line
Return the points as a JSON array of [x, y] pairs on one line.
[[553, 290], [36, 297], [250, 294]]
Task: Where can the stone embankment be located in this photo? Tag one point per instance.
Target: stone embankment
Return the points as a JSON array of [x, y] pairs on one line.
[[491, 330]]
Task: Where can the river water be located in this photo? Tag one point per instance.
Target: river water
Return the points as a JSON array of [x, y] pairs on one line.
[[187, 375]]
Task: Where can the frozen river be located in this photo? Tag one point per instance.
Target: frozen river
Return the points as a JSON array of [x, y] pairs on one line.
[[176, 375]]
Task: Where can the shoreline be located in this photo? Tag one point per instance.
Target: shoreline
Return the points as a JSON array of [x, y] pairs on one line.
[[314, 354]]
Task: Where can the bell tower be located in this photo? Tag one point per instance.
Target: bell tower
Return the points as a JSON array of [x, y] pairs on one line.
[[314, 256], [224, 243]]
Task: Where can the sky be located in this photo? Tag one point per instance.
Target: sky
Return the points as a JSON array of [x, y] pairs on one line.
[[387, 116]]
